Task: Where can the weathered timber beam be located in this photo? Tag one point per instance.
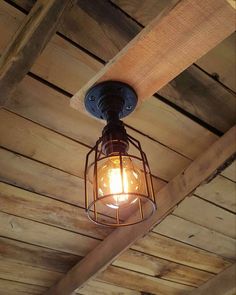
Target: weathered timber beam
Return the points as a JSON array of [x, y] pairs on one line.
[[30, 39], [208, 164], [222, 284], [172, 42]]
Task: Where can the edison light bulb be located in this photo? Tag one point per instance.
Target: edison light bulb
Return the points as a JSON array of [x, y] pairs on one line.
[[110, 182]]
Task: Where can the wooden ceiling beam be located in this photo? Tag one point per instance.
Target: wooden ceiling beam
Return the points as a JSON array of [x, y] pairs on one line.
[[221, 284], [208, 164], [172, 42], [29, 40]]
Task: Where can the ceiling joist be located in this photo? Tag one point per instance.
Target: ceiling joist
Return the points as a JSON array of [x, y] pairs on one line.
[[222, 284], [172, 42], [27, 44], [208, 164]]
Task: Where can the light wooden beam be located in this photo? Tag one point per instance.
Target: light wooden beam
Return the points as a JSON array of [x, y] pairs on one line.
[[208, 164], [172, 42], [36, 30], [222, 284]]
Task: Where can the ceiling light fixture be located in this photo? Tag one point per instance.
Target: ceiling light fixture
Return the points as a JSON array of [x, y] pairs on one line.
[[118, 180]]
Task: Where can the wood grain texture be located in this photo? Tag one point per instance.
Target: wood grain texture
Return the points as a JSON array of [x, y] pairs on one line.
[[9, 287], [220, 191], [218, 62], [141, 282], [222, 284], [161, 268], [39, 178], [37, 28], [36, 256], [201, 96], [46, 210], [166, 248], [39, 208], [101, 288], [207, 215], [230, 172], [196, 235], [111, 27], [60, 46], [24, 230], [44, 180], [38, 143], [58, 60], [39, 259], [145, 11], [206, 23], [181, 186], [11, 270]]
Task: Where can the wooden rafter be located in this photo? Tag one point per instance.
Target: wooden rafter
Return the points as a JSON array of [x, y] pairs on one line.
[[31, 38], [169, 196], [171, 43], [222, 284]]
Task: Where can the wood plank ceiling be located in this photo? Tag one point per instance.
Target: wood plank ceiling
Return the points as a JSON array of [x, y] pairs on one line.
[[43, 228]]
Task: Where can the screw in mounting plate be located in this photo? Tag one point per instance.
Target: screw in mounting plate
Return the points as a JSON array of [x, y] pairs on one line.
[[92, 98], [129, 107]]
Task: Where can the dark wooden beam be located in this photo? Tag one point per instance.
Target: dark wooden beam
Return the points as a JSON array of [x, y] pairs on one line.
[[31, 38], [204, 167]]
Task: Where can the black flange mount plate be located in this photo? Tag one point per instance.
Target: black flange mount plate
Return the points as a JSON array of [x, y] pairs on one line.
[[114, 89]]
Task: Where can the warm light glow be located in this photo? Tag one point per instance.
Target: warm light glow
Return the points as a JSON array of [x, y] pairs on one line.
[[110, 182]]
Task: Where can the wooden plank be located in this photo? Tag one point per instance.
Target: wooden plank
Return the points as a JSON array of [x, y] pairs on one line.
[[167, 248], [38, 27], [10, 270], [222, 284], [34, 141], [15, 288], [180, 133], [206, 22], [170, 195], [161, 268], [61, 57], [207, 215], [141, 282], [37, 256], [101, 288], [143, 12], [203, 97], [196, 235], [219, 191], [115, 29], [42, 179], [220, 62], [230, 172], [40, 208], [47, 236]]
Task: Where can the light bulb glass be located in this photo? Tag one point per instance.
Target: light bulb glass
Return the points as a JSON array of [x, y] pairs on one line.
[[110, 178]]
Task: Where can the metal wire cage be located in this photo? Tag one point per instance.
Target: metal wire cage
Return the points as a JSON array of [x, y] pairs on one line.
[[118, 187]]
